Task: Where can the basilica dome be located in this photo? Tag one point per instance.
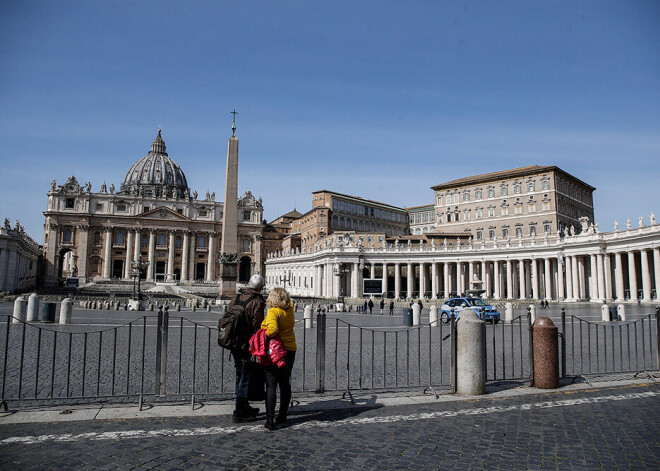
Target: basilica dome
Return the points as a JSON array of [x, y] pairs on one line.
[[155, 175]]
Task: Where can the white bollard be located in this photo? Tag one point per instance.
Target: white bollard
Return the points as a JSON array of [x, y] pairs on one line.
[[433, 316], [532, 310], [66, 309], [309, 320], [416, 313], [20, 310], [621, 312], [33, 308], [508, 312], [470, 337], [605, 313]]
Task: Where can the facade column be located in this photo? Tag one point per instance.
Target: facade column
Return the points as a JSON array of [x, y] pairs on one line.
[[210, 266], [593, 278], [607, 266], [410, 275], [656, 267], [358, 278], [373, 270], [108, 252], [632, 276], [485, 279], [470, 274], [336, 285], [582, 278], [191, 258], [569, 278], [600, 282], [4, 268], [129, 254], [397, 280], [136, 245], [445, 280], [560, 279], [619, 287], [509, 280], [422, 281], [184, 256], [535, 279], [497, 293], [522, 282], [646, 276], [459, 279], [385, 287], [574, 278], [434, 280], [151, 269], [548, 278], [170, 258]]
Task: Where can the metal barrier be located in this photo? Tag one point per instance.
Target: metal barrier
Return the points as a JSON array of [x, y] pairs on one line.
[[508, 350]]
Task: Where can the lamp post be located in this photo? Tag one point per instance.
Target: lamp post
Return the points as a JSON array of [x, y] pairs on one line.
[[341, 271], [284, 280], [138, 268]]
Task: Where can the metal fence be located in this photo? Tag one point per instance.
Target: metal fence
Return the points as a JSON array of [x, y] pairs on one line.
[[173, 358]]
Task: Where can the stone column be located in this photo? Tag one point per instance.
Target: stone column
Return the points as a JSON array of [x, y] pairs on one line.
[[632, 276], [485, 279], [82, 252], [151, 269], [574, 278], [560, 280], [337, 280], [470, 274], [434, 280], [129, 254], [497, 293], [522, 280], [446, 286], [548, 278], [373, 270], [593, 279], [656, 267], [385, 287], [4, 261], [409, 279], [358, 278], [191, 257], [397, 280], [569, 278], [170, 257], [600, 282], [108, 253], [422, 280], [535, 279], [646, 276], [459, 279], [607, 266], [210, 267], [184, 256], [509, 280], [581, 278], [618, 278]]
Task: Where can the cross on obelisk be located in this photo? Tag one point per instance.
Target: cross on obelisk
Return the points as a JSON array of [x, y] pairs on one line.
[[233, 122]]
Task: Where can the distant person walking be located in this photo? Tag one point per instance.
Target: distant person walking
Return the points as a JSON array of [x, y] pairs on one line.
[[364, 308], [382, 306], [391, 307], [371, 306], [279, 320]]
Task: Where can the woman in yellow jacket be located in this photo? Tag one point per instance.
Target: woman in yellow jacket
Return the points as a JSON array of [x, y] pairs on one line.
[[279, 320]]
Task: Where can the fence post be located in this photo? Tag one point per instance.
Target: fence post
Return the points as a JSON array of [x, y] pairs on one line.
[[563, 342], [453, 346], [531, 347], [160, 380], [657, 334], [320, 352], [159, 347]]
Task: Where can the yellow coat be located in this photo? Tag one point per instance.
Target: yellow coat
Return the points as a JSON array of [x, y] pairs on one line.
[[279, 321]]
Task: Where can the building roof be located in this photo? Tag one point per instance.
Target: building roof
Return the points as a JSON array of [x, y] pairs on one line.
[[423, 207], [359, 198], [503, 174], [292, 214]]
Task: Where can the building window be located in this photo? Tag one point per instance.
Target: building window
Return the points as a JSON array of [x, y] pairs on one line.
[[66, 238], [546, 206], [97, 238], [448, 217], [547, 227], [532, 230], [531, 208], [504, 190], [179, 210], [246, 245], [162, 240], [477, 194], [70, 203], [491, 192], [479, 235], [516, 188], [467, 216], [518, 208], [439, 199], [203, 213], [145, 240], [146, 208], [466, 196], [518, 231], [246, 215], [119, 238], [177, 242], [545, 184], [201, 242], [505, 232], [455, 197], [491, 211], [121, 208], [505, 210], [480, 213], [99, 207], [530, 186], [439, 217], [491, 234]]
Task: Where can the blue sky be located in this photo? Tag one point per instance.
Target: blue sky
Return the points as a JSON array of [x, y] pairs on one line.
[[380, 99]]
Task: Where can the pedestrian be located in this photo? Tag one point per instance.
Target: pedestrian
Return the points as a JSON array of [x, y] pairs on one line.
[[371, 305], [382, 306], [421, 306], [391, 306], [254, 304], [280, 321], [364, 308]]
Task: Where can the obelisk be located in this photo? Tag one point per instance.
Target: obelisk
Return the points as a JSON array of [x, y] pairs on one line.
[[229, 245]]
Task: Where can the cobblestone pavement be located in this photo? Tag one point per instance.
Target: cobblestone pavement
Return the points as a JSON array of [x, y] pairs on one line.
[[608, 428]]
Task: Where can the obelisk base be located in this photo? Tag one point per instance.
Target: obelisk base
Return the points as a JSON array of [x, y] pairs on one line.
[[228, 275]]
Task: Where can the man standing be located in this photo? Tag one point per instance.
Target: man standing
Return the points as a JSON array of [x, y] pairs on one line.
[[254, 304], [391, 306], [371, 305], [382, 306]]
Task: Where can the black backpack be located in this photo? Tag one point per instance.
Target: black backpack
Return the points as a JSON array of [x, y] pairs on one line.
[[234, 331]]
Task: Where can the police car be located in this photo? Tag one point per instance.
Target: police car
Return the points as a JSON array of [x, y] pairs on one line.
[[476, 304]]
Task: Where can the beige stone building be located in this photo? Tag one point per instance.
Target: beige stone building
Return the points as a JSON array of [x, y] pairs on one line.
[[521, 202], [152, 217], [19, 259], [421, 219]]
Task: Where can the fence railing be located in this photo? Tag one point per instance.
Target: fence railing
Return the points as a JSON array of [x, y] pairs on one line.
[[167, 358]]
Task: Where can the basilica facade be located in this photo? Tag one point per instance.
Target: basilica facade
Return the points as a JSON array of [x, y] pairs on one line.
[[154, 217]]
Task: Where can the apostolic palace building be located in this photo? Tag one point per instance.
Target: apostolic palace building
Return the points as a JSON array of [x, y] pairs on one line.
[[525, 233]]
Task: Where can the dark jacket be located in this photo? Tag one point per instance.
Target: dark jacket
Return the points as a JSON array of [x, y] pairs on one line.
[[254, 311]]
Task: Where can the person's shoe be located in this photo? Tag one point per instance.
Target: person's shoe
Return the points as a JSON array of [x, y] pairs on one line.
[[252, 411], [242, 418], [269, 425], [280, 420]]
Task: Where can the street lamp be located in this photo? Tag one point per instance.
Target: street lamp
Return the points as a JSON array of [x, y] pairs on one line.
[[138, 268], [341, 271]]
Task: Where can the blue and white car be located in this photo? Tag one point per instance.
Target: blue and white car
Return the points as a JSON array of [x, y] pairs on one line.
[[476, 304]]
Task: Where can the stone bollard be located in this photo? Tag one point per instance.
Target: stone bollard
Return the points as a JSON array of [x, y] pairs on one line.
[[532, 311], [309, 320], [470, 361], [66, 309], [546, 354], [33, 308], [177, 307], [605, 313], [416, 313], [433, 316], [194, 308], [81, 304], [621, 312], [151, 306], [20, 310], [208, 308], [116, 305], [508, 312]]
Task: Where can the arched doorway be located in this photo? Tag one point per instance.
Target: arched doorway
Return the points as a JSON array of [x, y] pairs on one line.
[[66, 265], [245, 269]]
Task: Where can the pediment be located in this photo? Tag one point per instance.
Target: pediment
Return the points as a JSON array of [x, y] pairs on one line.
[[163, 214]]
